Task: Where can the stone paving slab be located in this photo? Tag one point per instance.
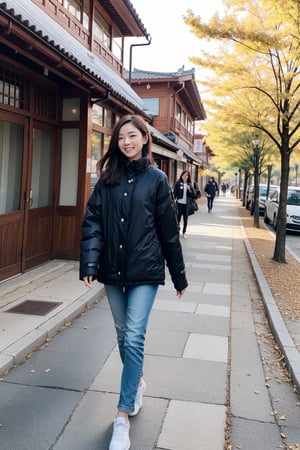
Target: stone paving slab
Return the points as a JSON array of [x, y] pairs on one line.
[[96, 411], [254, 435], [175, 305], [172, 378], [193, 323], [213, 310], [190, 425], [206, 347], [51, 406]]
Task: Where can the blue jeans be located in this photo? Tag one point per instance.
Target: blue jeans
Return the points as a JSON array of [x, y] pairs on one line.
[[131, 307]]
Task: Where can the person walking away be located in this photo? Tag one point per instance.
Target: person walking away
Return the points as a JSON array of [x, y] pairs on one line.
[[128, 233], [211, 190], [184, 194], [224, 189]]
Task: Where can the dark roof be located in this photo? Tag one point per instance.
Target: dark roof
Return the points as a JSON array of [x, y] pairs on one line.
[[129, 25], [181, 77], [45, 29], [160, 137], [138, 74]]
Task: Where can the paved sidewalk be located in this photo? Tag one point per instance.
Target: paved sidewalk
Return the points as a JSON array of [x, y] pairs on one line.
[[188, 341]]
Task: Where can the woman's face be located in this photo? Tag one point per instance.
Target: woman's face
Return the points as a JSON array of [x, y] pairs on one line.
[[131, 141], [185, 177]]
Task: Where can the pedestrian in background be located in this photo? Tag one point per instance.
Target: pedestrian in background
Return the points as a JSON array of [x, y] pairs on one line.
[[129, 231], [224, 189], [211, 190], [184, 194], [197, 189]]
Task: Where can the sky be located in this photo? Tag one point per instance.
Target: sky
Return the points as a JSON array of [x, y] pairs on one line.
[[172, 42]]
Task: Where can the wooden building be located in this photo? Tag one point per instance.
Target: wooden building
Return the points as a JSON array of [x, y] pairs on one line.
[[61, 91], [172, 100]]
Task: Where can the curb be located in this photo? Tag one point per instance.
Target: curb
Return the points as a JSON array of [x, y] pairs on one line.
[[277, 324], [15, 353]]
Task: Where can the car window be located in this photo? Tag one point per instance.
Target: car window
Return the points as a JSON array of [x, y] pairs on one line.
[[263, 191], [293, 197], [274, 196]]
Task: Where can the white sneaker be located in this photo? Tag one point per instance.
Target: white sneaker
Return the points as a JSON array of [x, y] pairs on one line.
[[184, 236], [120, 437], [138, 398]]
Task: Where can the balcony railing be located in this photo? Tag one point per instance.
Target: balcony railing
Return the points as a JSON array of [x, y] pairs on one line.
[[179, 129]]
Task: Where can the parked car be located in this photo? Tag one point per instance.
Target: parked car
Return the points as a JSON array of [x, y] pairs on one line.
[[292, 209], [262, 197]]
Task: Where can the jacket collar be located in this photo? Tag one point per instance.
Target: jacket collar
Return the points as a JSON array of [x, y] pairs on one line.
[[138, 166]]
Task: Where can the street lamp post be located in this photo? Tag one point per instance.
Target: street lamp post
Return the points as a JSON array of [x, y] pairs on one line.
[[256, 182], [296, 170]]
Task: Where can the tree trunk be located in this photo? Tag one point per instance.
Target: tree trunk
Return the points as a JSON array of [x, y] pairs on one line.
[[279, 251]]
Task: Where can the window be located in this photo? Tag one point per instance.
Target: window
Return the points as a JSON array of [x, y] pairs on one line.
[[98, 114], [42, 167], [152, 106], [108, 118], [71, 109], [178, 112], [73, 6], [69, 167], [117, 46], [100, 142], [11, 88], [102, 116], [97, 146], [44, 103], [102, 30], [79, 9]]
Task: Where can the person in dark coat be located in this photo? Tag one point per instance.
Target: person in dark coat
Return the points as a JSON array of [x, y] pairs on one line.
[[211, 190], [128, 233], [184, 194]]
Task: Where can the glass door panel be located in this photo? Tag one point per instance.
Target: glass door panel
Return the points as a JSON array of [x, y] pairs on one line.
[[11, 196], [42, 168], [39, 235], [11, 152]]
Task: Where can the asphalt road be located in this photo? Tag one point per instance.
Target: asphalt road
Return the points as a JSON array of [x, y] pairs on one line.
[[292, 239]]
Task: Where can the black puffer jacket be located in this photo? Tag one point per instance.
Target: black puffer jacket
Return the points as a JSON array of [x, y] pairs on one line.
[[130, 229]]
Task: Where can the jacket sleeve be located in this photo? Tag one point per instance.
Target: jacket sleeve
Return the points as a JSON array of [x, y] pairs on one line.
[[91, 236], [192, 193], [168, 233], [175, 191]]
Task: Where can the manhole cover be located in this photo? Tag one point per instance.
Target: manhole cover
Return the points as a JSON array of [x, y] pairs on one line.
[[34, 307]]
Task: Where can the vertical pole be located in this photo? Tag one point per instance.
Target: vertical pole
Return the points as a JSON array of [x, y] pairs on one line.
[[256, 188]]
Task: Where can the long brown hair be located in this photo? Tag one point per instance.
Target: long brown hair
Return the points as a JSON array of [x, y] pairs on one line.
[[113, 162]]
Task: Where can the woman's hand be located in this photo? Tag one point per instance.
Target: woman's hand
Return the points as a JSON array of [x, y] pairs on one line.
[[88, 281], [180, 293]]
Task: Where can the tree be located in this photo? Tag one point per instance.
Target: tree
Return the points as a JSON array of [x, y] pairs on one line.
[[261, 57]]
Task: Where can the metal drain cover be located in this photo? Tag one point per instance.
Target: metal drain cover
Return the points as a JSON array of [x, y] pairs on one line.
[[34, 307]]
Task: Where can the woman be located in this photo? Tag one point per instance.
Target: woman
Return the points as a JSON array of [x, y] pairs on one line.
[[211, 190], [128, 232], [184, 194]]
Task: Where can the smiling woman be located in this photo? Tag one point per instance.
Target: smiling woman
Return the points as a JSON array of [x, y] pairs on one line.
[[131, 141]]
